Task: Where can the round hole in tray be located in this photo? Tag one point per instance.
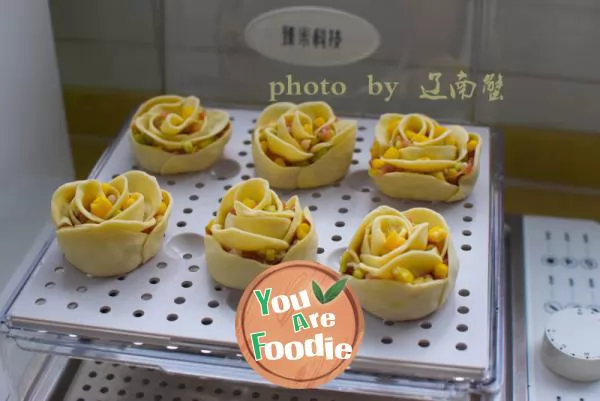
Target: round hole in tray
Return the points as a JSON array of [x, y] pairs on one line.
[[50, 285], [316, 195], [207, 321], [218, 288], [199, 185], [161, 265], [245, 177], [186, 284], [225, 168], [360, 139], [250, 165], [334, 257], [362, 128], [180, 245], [181, 224], [213, 304], [92, 374], [171, 317], [320, 251], [233, 299], [376, 199], [464, 292], [346, 197], [247, 142], [59, 269], [466, 247], [340, 224], [139, 395], [105, 309], [193, 268], [388, 322], [199, 389], [146, 296], [463, 310], [387, 340], [462, 328], [243, 153], [188, 210], [104, 390], [255, 394], [127, 379], [359, 180], [154, 280], [236, 393], [467, 233], [163, 384], [227, 187], [86, 387], [424, 343], [312, 208], [40, 301], [426, 325], [365, 189], [461, 346], [357, 150], [110, 376], [194, 197], [251, 131], [354, 162], [138, 313], [81, 289], [122, 278], [181, 386], [343, 210], [336, 238], [179, 300], [218, 390], [468, 205], [114, 176], [467, 219], [72, 305], [171, 182], [337, 184]]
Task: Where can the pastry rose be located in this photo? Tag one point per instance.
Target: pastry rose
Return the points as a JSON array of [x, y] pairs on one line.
[[253, 230], [172, 134], [109, 229], [413, 157], [401, 265], [302, 146]]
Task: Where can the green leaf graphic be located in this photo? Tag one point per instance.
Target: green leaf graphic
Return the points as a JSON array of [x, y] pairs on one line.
[[318, 292], [334, 290]]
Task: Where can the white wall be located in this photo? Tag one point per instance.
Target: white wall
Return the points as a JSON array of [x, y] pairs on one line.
[[34, 149]]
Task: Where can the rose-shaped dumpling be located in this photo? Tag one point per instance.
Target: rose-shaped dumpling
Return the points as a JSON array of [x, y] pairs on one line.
[[413, 157], [172, 134], [302, 146], [109, 229], [401, 265], [253, 230]]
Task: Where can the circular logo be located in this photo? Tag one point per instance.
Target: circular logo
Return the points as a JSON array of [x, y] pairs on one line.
[[298, 325]]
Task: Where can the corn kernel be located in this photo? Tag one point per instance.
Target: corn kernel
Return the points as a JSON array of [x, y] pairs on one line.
[[391, 153], [419, 138], [325, 135], [377, 163], [271, 208], [393, 240], [130, 201], [302, 231], [358, 273], [188, 147], [410, 134], [439, 131], [392, 127], [451, 141], [403, 275], [375, 150], [424, 158], [280, 162], [100, 207], [251, 203], [305, 144], [187, 111], [308, 128], [437, 234], [471, 145], [264, 146], [107, 188], [319, 121], [375, 172], [439, 175], [270, 254], [162, 208], [440, 271], [419, 280], [427, 278]]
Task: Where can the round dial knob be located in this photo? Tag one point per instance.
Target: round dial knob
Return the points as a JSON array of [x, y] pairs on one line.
[[571, 346]]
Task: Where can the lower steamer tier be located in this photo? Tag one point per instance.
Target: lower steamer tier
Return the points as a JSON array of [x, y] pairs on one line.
[[171, 315]]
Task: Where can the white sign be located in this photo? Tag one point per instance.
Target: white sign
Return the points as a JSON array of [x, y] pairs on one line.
[[312, 36]]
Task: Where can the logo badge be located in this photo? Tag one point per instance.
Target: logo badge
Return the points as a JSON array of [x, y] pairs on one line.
[[298, 325]]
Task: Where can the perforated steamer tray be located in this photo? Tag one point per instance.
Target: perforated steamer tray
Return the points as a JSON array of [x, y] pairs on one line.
[[172, 301]]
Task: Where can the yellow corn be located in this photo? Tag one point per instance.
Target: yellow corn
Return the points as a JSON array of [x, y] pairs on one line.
[[377, 163], [128, 202], [100, 207], [410, 134], [319, 121], [439, 175], [302, 231], [392, 127], [162, 208], [107, 188], [264, 146], [419, 280], [419, 138], [440, 271], [427, 278], [439, 131], [424, 158], [471, 145], [393, 240], [305, 144], [403, 275], [437, 234], [280, 162], [451, 141], [188, 147], [308, 128], [187, 111], [270, 254], [358, 273], [391, 153], [271, 208], [375, 150], [251, 203]]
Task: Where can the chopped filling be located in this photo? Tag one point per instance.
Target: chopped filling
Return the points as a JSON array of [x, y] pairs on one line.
[[324, 133], [435, 239], [450, 175]]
